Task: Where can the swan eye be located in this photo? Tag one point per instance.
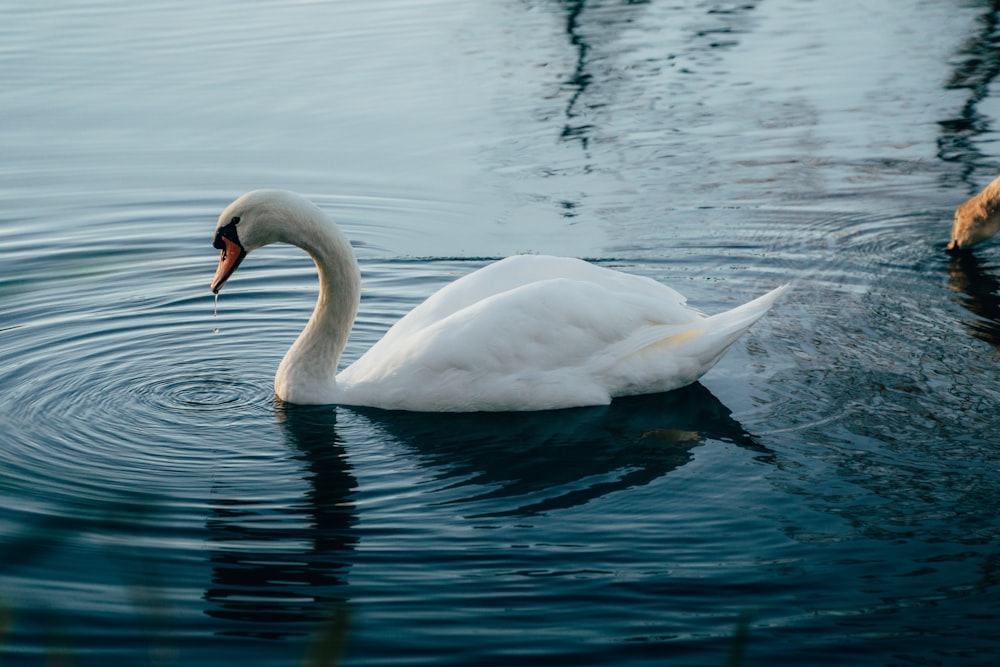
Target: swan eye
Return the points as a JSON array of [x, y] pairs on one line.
[[235, 220]]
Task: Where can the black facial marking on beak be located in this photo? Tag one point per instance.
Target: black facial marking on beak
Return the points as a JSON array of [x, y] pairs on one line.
[[228, 241]]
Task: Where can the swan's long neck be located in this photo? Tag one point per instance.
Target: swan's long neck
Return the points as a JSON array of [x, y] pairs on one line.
[[308, 371]]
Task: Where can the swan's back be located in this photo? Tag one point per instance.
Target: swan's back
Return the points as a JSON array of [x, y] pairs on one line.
[[537, 332], [513, 272]]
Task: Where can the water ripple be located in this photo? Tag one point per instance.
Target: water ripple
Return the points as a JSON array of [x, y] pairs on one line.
[[200, 392]]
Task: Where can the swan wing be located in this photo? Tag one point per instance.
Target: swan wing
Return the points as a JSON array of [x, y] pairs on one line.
[[512, 273], [543, 344]]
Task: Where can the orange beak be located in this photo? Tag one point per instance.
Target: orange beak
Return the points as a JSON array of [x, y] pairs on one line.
[[229, 259]]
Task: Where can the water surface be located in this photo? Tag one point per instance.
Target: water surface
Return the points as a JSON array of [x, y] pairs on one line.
[[825, 496]]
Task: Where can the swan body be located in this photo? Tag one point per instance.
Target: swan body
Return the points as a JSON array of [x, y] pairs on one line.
[[524, 333], [977, 219]]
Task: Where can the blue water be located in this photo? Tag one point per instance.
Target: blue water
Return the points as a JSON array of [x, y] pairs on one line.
[[827, 495]]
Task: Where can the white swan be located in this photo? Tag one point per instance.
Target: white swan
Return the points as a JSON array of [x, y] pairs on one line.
[[525, 333]]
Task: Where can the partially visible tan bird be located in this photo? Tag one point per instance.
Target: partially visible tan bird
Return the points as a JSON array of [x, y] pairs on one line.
[[977, 219]]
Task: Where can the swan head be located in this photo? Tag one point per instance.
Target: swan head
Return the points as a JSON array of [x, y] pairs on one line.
[[256, 219]]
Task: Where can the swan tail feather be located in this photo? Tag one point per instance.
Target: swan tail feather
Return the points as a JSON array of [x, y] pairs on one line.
[[683, 353], [722, 330], [732, 324]]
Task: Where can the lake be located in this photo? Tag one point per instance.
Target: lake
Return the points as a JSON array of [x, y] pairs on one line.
[[826, 495]]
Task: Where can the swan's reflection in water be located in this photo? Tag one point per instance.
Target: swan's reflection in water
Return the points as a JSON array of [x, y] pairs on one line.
[[534, 462], [277, 571], [979, 288], [279, 568]]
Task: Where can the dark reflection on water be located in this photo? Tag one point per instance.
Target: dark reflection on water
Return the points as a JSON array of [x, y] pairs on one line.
[[583, 19], [977, 66], [976, 283], [578, 81], [591, 25], [278, 570], [544, 461]]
